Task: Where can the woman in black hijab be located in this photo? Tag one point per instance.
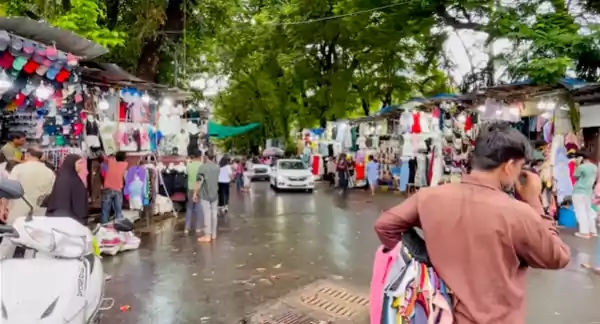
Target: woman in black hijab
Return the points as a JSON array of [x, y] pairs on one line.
[[69, 195]]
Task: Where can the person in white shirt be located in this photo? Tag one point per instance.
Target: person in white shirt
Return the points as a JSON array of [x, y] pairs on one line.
[[37, 181], [225, 177]]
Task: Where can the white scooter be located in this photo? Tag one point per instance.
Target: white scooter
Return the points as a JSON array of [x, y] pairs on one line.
[[59, 280]]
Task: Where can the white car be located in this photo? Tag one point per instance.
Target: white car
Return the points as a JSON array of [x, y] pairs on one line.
[[291, 174], [259, 172]]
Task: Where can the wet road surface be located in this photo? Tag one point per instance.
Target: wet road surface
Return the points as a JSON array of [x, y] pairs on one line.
[[272, 244]]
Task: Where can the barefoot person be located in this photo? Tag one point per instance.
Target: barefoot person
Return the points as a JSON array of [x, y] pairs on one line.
[[373, 174], [583, 192], [206, 192]]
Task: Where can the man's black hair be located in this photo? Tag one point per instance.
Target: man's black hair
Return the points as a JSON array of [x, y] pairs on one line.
[[195, 154], [498, 144], [586, 155], [120, 156], [209, 155], [16, 135], [35, 152]]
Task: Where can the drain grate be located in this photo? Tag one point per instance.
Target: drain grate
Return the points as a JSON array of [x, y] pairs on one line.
[[295, 318], [335, 301]]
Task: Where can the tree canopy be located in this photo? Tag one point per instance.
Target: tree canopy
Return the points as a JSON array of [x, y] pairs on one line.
[[300, 63]]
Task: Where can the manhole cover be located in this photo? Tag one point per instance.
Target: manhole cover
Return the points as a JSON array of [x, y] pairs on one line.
[[335, 301]]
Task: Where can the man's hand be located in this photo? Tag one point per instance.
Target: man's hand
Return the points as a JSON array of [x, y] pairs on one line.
[[195, 197], [530, 189]]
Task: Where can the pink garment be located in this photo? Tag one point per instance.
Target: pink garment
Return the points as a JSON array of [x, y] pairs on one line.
[[381, 266], [571, 138], [83, 173], [442, 313]]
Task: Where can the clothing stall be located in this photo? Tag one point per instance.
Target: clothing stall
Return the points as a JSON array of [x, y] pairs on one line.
[[41, 96], [544, 114], [130, 115]]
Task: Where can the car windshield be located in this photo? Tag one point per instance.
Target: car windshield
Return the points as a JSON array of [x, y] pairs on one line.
[[292, 165]]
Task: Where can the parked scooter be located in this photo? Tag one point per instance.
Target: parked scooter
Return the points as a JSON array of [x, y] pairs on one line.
[[59, 279]]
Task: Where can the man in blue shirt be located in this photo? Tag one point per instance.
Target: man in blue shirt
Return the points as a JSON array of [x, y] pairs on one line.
[[395, 171]]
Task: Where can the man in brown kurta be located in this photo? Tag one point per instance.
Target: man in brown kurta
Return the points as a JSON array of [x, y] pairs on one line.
[[481, 240]]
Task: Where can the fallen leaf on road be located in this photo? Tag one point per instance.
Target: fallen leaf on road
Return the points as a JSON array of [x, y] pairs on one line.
[[260, 269], [194, 274], [208, 279], [277, 266]]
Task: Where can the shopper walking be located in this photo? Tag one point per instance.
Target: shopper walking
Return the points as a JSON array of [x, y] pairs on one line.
[[583, 192], [69, 195], [12, 150], [193, 210], [373, 174], [225, 177], [206, 192], [331, 171], [342, 170], [500, 237], [35, 178], [112, 194]]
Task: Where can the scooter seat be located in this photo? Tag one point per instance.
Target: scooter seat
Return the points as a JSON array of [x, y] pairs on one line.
[[43, 290]]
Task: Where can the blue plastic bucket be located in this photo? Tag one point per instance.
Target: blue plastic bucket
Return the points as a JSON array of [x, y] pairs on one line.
[[566, 217]]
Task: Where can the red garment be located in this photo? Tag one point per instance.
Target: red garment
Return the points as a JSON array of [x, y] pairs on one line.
[[572, 170], [436, 113], [315, 164], [359, 171], [123, 111], [468, 123], [416, 126]]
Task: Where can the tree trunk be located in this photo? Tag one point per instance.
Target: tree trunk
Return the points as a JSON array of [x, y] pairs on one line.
[[365, 106], [66, 4], [112, 14], [151, 56]]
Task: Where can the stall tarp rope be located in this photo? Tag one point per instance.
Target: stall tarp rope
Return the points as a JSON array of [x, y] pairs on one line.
[[221, 131]]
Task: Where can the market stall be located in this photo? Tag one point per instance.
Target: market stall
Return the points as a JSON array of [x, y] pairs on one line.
[[40, 85], [545, 114]]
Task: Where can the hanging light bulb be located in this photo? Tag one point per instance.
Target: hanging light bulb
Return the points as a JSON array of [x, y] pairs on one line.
[[103, 105], [481, 108], [146, 98], [167, 102], [462, 118], [44, 92]]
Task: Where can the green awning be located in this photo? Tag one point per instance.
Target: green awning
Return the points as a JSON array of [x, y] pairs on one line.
[[220, 131]]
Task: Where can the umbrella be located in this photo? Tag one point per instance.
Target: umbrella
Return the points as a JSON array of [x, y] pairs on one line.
[[273, 151], [43, 32]]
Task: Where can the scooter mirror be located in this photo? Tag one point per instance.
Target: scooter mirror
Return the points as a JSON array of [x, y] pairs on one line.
[[11, 189]]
